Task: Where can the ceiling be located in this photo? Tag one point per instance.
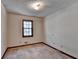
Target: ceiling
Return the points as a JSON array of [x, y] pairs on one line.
[[23, 6]]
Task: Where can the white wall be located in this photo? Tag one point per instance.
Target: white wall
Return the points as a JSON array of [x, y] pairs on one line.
[[3, 29], [15, 30], [61, 30]]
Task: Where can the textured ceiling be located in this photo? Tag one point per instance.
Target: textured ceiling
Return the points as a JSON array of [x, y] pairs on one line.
[[23, 6]]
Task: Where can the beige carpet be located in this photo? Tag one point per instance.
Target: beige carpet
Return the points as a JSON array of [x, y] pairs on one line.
[[37, 51]]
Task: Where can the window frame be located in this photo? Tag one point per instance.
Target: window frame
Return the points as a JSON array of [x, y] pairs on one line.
[[23, 28]]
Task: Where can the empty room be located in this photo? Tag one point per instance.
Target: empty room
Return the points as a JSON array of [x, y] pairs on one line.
[[39, 29]]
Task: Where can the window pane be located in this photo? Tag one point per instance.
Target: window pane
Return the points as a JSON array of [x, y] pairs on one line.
[[27, 24], [27, 32]]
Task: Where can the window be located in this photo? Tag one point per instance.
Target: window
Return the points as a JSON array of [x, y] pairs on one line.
[[27, 28]]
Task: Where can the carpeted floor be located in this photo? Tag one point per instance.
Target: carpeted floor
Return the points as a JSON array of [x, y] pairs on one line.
[[37, 51]]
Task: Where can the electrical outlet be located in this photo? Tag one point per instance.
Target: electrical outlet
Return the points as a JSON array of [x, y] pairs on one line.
[[25, 42]]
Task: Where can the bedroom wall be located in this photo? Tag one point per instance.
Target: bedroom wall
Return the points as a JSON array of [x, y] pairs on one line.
[[15, 30], [61, 30], [3, 29]]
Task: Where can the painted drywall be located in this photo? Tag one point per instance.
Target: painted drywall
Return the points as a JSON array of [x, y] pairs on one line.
[[3, 29], [61, 30], [15, 30]]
